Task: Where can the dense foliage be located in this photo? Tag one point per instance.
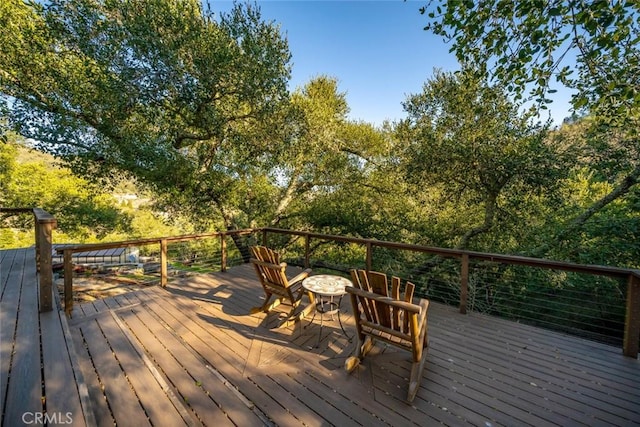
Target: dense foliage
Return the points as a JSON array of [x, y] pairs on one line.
[[84, 211], [468, 138], [160, 90], [193, 108], [529, 47]]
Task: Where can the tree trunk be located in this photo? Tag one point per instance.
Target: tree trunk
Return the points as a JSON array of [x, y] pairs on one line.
[[287, 197], [490, 206], [242, 245], [240, 241]]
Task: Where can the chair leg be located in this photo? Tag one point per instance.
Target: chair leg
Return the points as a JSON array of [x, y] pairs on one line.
[[351, 363], [363, 347], [416, 376], [296, 315], [366, 346], [266, 307]]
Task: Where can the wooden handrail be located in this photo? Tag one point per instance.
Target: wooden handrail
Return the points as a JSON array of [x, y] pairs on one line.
[[458, 253], [632, 317], [44, 224], [155, 240], [163, 242]]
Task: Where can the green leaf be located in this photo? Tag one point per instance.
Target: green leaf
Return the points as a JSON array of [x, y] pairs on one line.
[[555, 11]]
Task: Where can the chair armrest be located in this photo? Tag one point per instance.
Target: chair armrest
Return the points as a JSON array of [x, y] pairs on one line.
[[424, 306], [410, 307], [300, 277]]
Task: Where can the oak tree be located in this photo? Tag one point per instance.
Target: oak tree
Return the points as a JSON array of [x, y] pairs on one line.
[[471, 143], [591, 47], [165, 91]]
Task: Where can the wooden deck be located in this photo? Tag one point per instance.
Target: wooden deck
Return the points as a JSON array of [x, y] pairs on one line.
[[190, 354]]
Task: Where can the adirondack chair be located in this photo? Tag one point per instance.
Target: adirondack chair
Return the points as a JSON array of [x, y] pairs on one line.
[[273, 277], [390, 318]]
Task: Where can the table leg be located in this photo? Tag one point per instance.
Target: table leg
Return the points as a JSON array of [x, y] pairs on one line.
[[340, 320], [333, 307]]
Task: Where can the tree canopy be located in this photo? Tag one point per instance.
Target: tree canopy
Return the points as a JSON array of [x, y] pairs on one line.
[[528, 44], [161, 89], [470, 139], [194, 107]]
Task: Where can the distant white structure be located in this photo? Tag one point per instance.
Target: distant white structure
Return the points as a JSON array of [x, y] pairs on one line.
[[103, 256], [131, 198]]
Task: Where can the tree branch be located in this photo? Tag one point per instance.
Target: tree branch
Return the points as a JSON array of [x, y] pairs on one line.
[[285, 201], [490, 207], [578, 222]]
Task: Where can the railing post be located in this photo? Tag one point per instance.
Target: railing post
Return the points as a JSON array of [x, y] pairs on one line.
[[369, 259], [307, 250], [632, 318], [44, 263], [163, 262], [223, 252], [264, 237], [68, 281], [464, 283], [38, 237]]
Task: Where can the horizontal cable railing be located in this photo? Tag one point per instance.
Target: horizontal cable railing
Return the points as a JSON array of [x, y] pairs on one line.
[[159, 259], [596, 302]]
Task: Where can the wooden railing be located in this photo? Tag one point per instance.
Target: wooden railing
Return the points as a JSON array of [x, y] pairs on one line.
[[45, 223], [632, 313], [68, 251]]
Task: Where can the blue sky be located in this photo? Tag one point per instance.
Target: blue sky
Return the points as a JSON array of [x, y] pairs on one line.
[[377, 50]]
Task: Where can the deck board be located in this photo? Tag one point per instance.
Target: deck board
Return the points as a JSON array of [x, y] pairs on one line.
[[11, 272], [284, 364], [150, 393], [62, 395], [536, 397], [101, 412], [24, 385], [9, 264], [188, 389], [199, 337], [326, 395], [535, 375], [122, 399], [208, 397], [191, 354], [38, 376]]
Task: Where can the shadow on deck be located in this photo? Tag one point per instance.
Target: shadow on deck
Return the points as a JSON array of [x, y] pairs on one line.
[[191, 354]]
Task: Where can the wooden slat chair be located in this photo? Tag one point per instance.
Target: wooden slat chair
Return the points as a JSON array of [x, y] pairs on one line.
[[387, 317], [273, 277]]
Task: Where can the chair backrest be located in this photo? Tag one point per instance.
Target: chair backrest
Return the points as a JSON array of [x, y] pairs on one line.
[[384, 314], [268, 267], [379, 311], [265, 254]]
